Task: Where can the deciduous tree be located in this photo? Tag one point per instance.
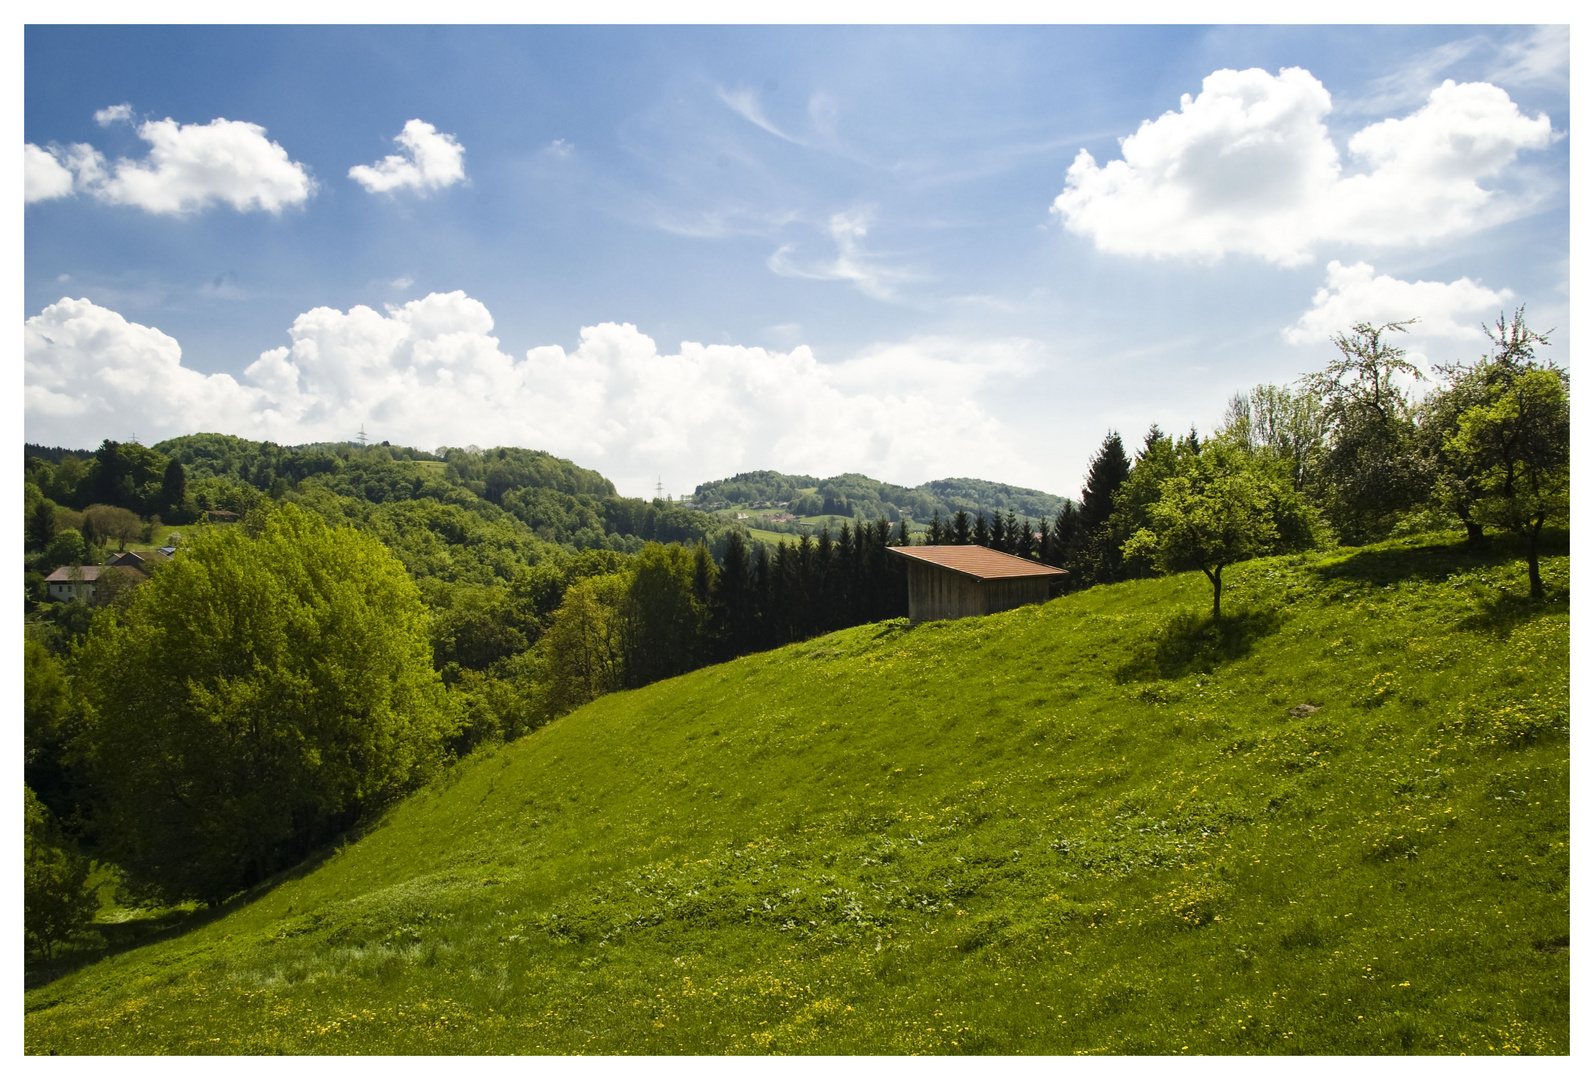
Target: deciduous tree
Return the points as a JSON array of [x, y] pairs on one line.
[[1457, 486], [1219, 508], [1371, 468], [56, 899], [663, 619], [584, 646], [1516, 449], [102, 522], [257, 695]]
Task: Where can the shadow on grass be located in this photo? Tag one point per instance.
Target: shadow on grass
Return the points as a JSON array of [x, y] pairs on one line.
[[1503, 612], [100, 940], [1434, 562], [1197, 643]]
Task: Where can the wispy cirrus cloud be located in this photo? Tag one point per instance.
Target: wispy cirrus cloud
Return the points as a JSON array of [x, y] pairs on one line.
[[1539, 56], [744, 102], [1542, 58], [869, 273]]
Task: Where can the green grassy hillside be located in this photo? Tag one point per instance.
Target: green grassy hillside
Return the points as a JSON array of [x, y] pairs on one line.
[[1093, 827]]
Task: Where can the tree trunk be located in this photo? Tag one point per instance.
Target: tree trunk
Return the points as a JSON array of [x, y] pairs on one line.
[[1474, 532], [1216, 577], [1535, 583]]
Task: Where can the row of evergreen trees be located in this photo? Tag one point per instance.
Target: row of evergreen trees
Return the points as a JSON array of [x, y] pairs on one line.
[[761, 599]]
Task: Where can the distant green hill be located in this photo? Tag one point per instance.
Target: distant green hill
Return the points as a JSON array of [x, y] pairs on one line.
[[1339, 823], [853, 495], [558, 501]]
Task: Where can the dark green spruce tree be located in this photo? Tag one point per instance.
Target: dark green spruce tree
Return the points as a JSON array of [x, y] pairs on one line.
[[1017, 542], [1098, 560], [1066, 538], [998, 532]]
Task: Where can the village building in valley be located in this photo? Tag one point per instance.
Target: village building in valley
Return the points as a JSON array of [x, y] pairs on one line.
[[67, 583]]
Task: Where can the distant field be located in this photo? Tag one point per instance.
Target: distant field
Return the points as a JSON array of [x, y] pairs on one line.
[[1335, 823]]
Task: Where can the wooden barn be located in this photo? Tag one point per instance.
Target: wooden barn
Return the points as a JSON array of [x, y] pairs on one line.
[[951, 581]]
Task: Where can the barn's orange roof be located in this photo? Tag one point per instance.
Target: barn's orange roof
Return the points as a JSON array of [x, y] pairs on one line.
[[980, 563]]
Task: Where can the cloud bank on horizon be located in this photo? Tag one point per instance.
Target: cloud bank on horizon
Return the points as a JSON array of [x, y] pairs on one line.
[[430, 373]]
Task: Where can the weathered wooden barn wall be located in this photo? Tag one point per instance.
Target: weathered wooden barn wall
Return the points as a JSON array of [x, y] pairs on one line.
[[1004, 593], [937, 593]]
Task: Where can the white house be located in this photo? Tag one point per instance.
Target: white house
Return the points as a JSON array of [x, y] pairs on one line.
[[73, 582]]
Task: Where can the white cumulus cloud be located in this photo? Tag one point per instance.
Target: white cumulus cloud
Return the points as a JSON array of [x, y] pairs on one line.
[[88, 373], [1353, 294], [189, 167], [43, 176], [1248, 167], [430, 161], [114, 114], [431, 373], [193, 166]]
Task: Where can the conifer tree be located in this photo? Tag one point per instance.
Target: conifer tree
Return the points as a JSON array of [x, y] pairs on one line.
[[730, 612], [1066, 537], [1099, 558], [961, 533], [824, 600], [982, 532], [1108, 470], [934, 533], [174, 489], [802, 598], [998, 532], [1016, 543], [842, 578], [1043, 545], [1024, 547], [876, 569], [764, 596]]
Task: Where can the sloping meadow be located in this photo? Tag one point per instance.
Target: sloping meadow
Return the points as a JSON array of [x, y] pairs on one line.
[[1336, 822]]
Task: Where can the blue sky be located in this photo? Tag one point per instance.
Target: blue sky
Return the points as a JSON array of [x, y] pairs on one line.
[[907, 251]]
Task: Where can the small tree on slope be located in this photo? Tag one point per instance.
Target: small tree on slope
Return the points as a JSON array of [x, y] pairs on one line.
[[1220, 508]]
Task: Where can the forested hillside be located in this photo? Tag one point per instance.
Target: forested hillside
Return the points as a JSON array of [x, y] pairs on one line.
[[769, 497]]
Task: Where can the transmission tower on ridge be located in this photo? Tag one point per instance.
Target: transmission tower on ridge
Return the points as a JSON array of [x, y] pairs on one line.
[[658, 489], [362, 436]]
